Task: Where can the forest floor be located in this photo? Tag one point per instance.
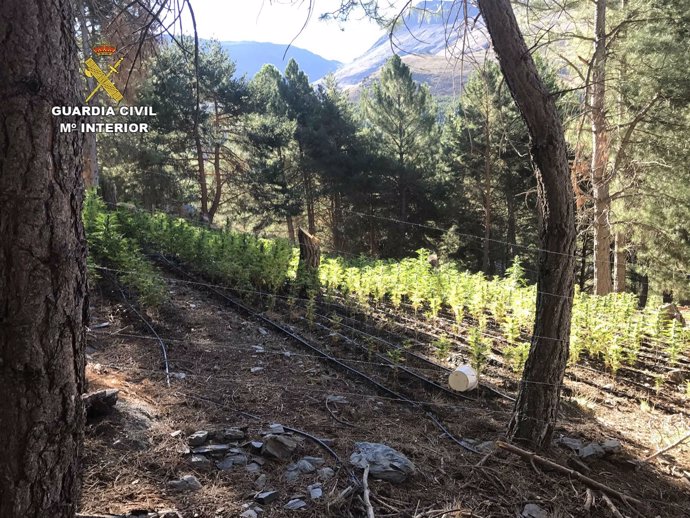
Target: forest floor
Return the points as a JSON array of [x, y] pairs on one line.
[[230, 371]]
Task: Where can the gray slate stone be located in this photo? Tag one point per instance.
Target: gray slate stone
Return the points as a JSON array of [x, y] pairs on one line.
[[276, 428], [229, 435], [314, 461], [295, 504], [100, 402], [260, 482], [591, 451], [266, 497], [384, 462], [200, 462], [198, 438], [249, 513], [253, 467], [570, 443], [315, 491], [326, 473], [304, 466], [185, 483], [612, 446], [212, 449], [278, 446], [534, 511]]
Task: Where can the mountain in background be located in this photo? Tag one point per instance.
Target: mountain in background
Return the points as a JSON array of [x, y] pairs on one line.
[[250, 56], [429, 39]]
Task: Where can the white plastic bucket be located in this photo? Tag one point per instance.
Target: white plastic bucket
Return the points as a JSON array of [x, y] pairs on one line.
[[463, 379]]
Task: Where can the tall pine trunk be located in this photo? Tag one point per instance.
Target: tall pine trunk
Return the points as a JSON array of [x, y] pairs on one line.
[[600, 156], [486, 187], [218, 180], [90, 166], [536, 408], [43, 307], [620, 263], [203, 188]]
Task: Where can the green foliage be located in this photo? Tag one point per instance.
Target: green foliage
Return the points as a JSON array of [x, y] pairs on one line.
[[109, 247], [237, 260], [443, 346]]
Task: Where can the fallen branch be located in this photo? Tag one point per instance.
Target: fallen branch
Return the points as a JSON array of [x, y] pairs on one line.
[[338, 500], [533, 457], [667, 448], [365, 488], [613, 508]]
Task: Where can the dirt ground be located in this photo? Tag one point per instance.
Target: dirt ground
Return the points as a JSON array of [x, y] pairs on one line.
[[230, 371]]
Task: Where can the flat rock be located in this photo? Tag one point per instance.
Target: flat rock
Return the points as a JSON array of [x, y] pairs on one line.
[[314, 461], [294, 504], [278, 446], [570, 443], [198, 438], [592, 451], [225, 464], [534, 511], [228, 435], [212, 449], [304, 466], [276, 428], [612, 446], [185, 483], [315, 491], [384, 462], [200, 462], [326, 473], [100, 403], [253, 467], [249, 513], [254, 370], [266, 497]]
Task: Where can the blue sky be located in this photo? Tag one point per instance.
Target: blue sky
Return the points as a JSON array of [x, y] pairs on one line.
[[279, 21]]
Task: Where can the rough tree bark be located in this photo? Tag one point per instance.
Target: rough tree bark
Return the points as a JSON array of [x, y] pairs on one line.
[[90, 156], [600, 156], [42, 263], [537, 406]]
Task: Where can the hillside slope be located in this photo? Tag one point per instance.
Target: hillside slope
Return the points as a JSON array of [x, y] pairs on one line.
[[250, 56], [431, 39]]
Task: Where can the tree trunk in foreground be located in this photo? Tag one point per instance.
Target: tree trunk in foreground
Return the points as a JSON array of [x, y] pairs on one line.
[[539, 398], [42, 263], [90, 167]]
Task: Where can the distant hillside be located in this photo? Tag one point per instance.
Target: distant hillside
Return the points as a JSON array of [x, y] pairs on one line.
[[430, 42], [250, 56]]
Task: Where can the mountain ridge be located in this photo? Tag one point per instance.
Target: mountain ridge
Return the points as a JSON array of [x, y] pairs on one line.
[[250, 56], [429, 39]]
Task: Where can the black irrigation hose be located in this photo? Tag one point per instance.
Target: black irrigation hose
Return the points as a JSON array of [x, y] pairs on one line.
[[417, 356], [406, 370], [305, 343], [160, 340]]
